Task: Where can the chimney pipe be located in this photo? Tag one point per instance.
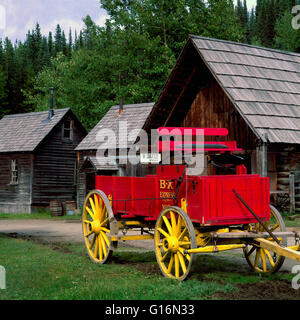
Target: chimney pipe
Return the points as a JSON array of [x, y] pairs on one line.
[[51, 111], [121, 109]]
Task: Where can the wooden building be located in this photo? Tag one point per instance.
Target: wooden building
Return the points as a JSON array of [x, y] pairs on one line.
[[125, 121], [254, 92], [37, 159]]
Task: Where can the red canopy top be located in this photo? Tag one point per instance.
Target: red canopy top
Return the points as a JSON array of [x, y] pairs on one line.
[[165, 131], [220, 146]]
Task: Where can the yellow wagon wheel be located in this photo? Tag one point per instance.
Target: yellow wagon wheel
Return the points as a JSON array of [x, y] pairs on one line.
[[174, 233], [97, 214], [262, 260]]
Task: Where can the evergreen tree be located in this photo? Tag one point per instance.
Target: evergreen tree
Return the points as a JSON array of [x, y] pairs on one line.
[[286, 37], [64, 46], [3, 95], [51, 47], [70, 43], [58, 40]]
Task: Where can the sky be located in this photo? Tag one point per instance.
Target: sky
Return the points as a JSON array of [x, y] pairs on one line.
[[22, 15], [19, 16]]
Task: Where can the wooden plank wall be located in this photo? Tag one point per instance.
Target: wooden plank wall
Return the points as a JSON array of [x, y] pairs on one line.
[[15, 198], [213, 109], [55, 168], [81, 177]]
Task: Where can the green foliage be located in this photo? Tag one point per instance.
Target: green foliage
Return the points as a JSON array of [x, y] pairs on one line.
[[287, 38]]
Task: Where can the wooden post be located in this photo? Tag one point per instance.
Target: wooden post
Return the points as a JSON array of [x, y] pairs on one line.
[[262, 157], [292, 193]]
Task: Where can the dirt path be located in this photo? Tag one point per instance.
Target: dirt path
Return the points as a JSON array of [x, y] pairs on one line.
[[54, 231]]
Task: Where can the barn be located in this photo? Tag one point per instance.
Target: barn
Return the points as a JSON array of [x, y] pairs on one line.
[[37, 159], [252, 91], [124, 120]]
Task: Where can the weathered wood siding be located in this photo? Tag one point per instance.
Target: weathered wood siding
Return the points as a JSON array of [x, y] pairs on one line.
[[213, 109], [55, 167], [15, 198], [81, 177]]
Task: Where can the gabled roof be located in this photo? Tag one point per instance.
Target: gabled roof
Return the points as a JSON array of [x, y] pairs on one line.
[[98, 164], [263, 84], [134, 114], [24, 132]]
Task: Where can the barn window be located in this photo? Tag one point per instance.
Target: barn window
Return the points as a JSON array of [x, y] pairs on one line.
[[14, 172], [68, 130]]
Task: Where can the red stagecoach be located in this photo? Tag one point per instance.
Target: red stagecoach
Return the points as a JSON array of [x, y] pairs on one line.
[[186, 214]]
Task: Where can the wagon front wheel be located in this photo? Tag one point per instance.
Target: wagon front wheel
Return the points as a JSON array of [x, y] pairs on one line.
[[96, 217], [174, 234]]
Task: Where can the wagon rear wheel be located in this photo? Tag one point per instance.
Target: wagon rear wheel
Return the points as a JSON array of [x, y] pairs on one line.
[[262, 260], [97, 214], [174, 233]]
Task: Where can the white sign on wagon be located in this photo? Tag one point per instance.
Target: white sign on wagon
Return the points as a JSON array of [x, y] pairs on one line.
[[150, 158]]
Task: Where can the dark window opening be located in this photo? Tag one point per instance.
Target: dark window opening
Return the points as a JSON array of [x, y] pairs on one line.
[[14, 179], [68, 130]]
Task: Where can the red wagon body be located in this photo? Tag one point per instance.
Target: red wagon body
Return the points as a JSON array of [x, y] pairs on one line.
[[210, 199]]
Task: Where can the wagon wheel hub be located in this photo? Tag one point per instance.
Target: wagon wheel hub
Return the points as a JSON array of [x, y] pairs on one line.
[[96, 226], [171, 243]]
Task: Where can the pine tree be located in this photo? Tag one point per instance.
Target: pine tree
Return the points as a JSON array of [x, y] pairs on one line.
[[70, 43], [58, 40], [64, 45], [51, 47]]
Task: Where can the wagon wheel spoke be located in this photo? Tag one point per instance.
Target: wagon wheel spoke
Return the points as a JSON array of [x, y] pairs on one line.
[[90, 212], [92, 242], [173, 222], [97, 207], [174, 234], [263, 259], [167, 223], [100, 248], [251, 251], [176, 265], [163, 232], [182, 233], [270, 258], [274, 227], [182, 263], [104, 222], [96, 248], [170, 264], [165, 256]]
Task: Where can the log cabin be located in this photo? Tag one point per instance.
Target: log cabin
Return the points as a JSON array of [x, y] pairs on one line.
[[38, 161], [252, 91]]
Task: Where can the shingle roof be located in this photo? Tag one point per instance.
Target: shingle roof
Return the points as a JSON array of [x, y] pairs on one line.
[[263, 84], [134, 115], [99, 164], [24, 132]]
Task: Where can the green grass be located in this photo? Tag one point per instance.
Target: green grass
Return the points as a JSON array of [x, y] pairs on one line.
[[42, 215], [290, 223], [64, 272]]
